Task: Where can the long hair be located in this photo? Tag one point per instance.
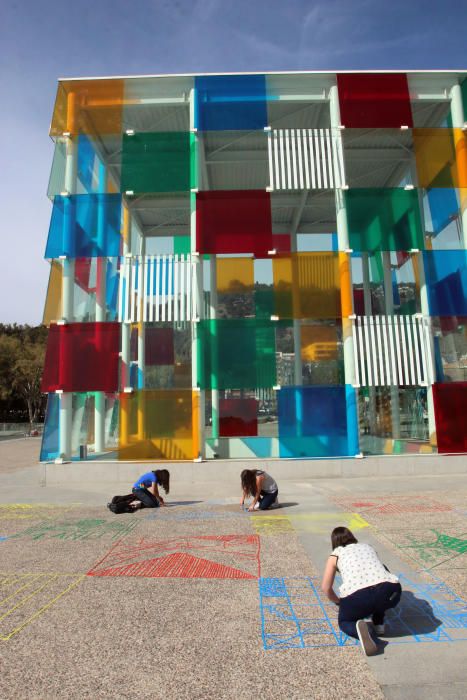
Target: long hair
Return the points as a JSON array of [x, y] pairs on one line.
[[163, 478], [248, 478], [341, 536]]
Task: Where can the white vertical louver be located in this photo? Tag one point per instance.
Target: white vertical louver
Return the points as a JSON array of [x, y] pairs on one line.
[[157, 288], [305, 159], [392, 351]]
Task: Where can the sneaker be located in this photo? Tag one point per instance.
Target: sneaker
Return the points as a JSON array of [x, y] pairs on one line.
[[367, 642], [256, 506], [275, 504]]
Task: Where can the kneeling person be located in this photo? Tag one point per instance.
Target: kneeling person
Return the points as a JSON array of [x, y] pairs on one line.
[[146, 488], [260, 485]]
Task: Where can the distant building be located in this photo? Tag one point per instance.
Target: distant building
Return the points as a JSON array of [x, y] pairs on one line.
[[257, 265]]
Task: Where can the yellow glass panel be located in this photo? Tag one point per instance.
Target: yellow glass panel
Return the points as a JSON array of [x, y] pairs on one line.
[[53, 302], [235, 275], [88, 107], [441, 157], [319, 343], [307, 285], [157, 424]]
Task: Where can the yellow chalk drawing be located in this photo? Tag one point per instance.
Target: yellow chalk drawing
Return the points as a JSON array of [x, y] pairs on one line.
[[315, 523], [271, 524], [24, 597], [24, 511], [324, 523]]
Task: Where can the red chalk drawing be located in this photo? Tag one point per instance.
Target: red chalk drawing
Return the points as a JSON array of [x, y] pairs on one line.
[[394, 505], [219, 557]]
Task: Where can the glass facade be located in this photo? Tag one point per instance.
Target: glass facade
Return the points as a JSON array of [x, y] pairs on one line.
[[257, 266]]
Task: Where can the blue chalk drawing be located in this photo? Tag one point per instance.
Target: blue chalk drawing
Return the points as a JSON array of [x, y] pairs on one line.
[[2, 539], [295, 616]]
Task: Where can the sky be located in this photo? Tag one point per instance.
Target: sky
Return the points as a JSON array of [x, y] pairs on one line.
[[43, 40]]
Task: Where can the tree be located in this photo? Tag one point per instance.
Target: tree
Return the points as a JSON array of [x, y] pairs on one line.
[[22, 351]]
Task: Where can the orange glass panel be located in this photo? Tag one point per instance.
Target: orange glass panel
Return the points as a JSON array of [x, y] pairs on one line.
[[157, 424], [53, 302], [88, 107], [441, 157], [318, 343], [235, 275], [306, 285]]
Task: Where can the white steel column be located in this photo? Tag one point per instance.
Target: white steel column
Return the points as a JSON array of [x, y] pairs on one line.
[[198, 402], [346, 291], [214, 351], [68, 269], [458, 122], [125, 329], [368, 313], [101, 262], [389, 311]]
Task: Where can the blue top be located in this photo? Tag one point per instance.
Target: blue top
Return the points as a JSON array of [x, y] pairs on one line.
[[145, 481]]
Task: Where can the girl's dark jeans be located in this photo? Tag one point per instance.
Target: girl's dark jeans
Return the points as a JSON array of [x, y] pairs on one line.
[[368, 602], [146, 498]]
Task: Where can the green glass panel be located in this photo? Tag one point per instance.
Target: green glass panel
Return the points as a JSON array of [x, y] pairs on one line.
[[464, 94], [264, 302], [383, 219], [237, 354], [157, 162], [182, 245]]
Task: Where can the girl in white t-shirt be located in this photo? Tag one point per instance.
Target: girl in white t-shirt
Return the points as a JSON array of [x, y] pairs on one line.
[[368, 589]]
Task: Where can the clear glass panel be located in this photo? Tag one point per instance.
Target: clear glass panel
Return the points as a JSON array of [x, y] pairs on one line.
[[85, 226], [384, 219], [450, 346], [374, 100], [404, 292], [313, 421], [377, 157], [83, 426], [235, 160], [156, 162], [446, 278], [157, 424], [393, 420], [82, 357], [451, 416], [234, 222], [230, 102]]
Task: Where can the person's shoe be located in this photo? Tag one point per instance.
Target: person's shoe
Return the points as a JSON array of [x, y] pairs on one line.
[[367, 642], [379, 629], [256, 506], [275, 503]]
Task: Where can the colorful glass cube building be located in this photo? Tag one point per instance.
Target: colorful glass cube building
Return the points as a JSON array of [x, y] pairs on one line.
[[257, 265]]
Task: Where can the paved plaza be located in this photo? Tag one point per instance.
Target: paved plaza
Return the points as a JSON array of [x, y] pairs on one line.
[[203, 600]]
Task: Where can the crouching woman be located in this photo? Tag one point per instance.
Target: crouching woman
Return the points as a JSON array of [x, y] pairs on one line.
[[368, 589], [146, 489]]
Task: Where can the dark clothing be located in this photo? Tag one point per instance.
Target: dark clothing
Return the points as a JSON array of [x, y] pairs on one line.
[[146, 498], [267, 499], [372, 601]]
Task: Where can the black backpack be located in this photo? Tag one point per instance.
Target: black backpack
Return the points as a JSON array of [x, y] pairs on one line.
[[121, 504]]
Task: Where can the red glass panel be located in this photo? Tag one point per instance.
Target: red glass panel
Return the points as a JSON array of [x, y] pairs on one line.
[[159, 346], [234, 222], [238, 417], [83, 274], [451, 416], [374, 100], [82, 357]]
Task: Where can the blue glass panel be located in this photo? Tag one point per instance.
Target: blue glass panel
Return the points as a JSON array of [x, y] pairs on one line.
[[313, 421], [230, 102], [50, 444], [85, 226], [446, 278], [444, 207], [159, 275], [111, 290]]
